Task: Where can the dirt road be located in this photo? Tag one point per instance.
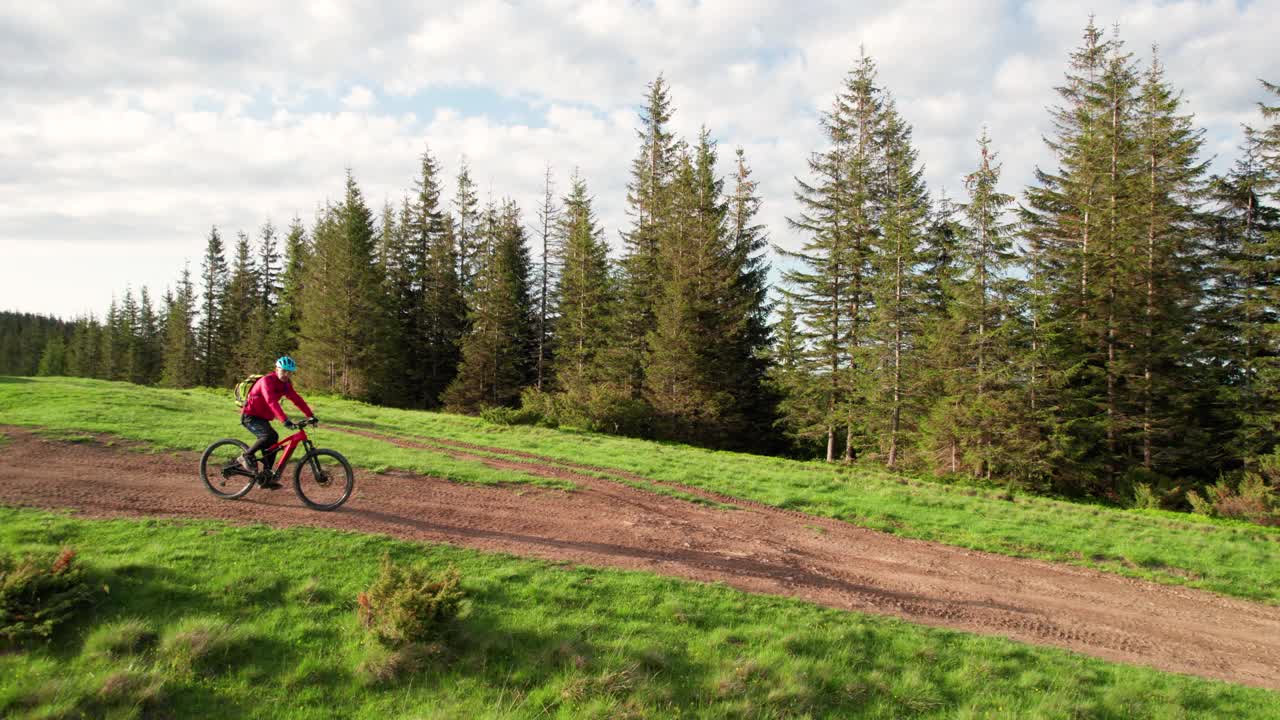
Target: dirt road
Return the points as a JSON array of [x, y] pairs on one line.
[[751, 547]]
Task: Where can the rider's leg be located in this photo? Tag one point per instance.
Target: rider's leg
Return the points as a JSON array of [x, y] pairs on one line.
[[266, 438]]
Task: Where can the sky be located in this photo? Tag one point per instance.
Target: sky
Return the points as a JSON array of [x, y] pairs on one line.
[[128, 129]]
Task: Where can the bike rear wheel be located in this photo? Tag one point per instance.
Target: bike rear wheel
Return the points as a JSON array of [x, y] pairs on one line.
[[323, 480], [221, 472]]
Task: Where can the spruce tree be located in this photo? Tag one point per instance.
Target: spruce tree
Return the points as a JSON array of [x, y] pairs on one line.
[[84, 355], [585, 298], [402, 305], [243, 300], [1070, 240], [1167, 371], [179, 355], [497, 351], [212, 346], [545, 278], [829, 284], [285, 325], [898, 289], [975, 419], [801, 406], [467, 228], [648, 204], [749, 336], [439, 314], [53, 360], [681, 380], [125, 340], [341, 324], [1247, 306], [149, 332]]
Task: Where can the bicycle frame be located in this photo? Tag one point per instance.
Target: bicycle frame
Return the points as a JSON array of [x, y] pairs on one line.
[[289, 444]]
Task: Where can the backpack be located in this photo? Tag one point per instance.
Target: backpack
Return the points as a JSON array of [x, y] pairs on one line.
[[241, 391]]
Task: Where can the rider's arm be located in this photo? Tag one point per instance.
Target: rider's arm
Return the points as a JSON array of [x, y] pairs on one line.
[[296, 399], [271, 393]]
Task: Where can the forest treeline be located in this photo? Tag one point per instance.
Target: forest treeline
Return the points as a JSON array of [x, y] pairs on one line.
[[1112, 331]]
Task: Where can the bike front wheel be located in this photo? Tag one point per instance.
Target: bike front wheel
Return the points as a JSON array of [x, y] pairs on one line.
[[323, 480], [221, 472]]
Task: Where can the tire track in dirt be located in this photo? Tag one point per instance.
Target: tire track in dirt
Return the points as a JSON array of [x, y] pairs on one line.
[[757, 549]]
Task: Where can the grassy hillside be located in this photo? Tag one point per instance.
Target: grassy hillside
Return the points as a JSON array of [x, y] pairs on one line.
[[208, 620], [1224, 556]]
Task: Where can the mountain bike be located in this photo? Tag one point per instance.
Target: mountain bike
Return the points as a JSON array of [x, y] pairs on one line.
[[322, 479]]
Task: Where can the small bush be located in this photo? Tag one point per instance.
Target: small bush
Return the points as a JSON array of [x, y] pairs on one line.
[[407, 604], [598, 408], [38, 593], [1252, 499], [1144, 498], [510, 416]]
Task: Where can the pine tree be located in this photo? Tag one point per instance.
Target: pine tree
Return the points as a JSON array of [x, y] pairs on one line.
[[1168, 372], [286, 322], [53, 360], [448, 319], [497, 351], [126, 345], [466, 206], [1247, 296], [401, 304], [243, 302], [745, 348], [84, 353], [974, 423], [585, 298], [149, 342], [829, 287], [268, 268], [898, 288], [212, 346], [112, 344], [1072, 229], [681, 380], [341, 325], [180, 345], [649, 205], [545, 278], [801, 405]]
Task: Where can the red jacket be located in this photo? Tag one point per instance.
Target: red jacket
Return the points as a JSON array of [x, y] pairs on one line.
[[264, 398]]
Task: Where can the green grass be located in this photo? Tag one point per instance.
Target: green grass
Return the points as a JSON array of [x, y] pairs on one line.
[[203, 619], [69, 409], [1224, 556]]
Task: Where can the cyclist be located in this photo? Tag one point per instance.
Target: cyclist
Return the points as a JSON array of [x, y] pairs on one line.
[[261, 406]]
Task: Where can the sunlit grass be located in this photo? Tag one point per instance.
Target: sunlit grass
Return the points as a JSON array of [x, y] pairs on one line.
[[1225, 556], [209, 620]]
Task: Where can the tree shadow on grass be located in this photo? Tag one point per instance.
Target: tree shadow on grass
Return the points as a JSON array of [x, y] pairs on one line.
[[14, 380]]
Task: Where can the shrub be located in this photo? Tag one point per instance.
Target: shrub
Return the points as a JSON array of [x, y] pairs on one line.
[[407, 604], [599, 408], [1252, 499], [510, 416], [38, 593]]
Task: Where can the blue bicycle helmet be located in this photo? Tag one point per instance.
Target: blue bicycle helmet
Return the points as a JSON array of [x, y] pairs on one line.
[[287, 363]]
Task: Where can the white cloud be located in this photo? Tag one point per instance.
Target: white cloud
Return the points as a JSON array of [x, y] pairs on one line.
[[127, 129], [360, 98]]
